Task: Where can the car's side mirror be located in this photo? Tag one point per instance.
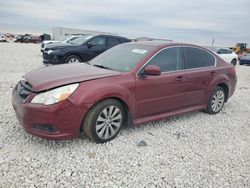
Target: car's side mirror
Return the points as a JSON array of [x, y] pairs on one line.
[[89, 44], [152, 70]]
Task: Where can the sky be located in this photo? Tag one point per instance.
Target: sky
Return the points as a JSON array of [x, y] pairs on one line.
[[193, 21]]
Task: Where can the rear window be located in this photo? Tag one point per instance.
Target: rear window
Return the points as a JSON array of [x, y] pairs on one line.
[[197, 58], [113, 42]]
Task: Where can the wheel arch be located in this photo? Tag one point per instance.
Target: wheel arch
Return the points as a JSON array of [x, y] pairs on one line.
[[222, 81], [128, 115], [225, 88]]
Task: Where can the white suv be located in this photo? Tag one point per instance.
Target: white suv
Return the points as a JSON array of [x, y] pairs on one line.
[[228, 55], [45, 43], [3, 38]]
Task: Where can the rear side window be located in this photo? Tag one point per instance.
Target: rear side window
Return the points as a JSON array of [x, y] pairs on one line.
[[113, 42], [169, 59], [196, 58]]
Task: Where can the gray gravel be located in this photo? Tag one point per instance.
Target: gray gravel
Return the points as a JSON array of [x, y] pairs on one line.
[[192, 150]]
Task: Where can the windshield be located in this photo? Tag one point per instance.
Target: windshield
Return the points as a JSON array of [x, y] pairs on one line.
[[70, 39], [123, 57], [80, 39]]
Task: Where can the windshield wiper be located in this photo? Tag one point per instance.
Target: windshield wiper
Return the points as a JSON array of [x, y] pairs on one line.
[[101, 66]]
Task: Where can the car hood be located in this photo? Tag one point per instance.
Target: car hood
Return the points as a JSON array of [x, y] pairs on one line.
[[59, 45], [53, 76], [51, 41]]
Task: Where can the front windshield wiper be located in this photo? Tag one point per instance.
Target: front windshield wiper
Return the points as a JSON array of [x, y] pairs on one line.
[[101, 66]]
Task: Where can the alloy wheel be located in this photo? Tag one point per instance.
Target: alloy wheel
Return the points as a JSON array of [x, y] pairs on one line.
[[74, 60], [108, 122], [218, 100]]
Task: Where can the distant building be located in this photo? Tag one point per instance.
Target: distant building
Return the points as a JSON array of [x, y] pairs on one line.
[[60, 33], [151, 39]]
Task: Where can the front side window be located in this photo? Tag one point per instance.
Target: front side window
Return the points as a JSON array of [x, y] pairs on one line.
[[98, 41], [196, 58], [169, 59]]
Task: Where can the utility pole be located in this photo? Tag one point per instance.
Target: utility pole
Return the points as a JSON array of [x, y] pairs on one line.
[[213, 42]]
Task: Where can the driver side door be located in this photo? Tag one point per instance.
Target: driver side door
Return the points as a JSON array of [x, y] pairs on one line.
[[94, 47], [165, 92]]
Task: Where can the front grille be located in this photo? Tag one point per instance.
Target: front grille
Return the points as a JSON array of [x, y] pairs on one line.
[[24, 89], [45, 56]]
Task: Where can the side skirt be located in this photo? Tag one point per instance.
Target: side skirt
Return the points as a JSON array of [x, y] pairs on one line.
[[166, 115]]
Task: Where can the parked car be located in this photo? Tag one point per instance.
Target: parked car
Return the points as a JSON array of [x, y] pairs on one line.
[[3, 38], [32, 39], [19, 38], [245, 60], [140, 81], [45, 36], [228, 55], [82, 49], [45, 43]]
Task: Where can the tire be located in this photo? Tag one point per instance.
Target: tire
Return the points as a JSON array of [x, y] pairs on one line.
[[73, 59], [234, 62], [216, 101], [241, 63], [104, 121]]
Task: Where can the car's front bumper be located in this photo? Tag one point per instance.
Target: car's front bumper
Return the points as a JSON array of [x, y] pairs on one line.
[[56, 122], [52, 58]]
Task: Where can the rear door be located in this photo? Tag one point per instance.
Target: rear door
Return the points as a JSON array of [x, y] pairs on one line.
[[200, 68], [165, 92], [111, 42]]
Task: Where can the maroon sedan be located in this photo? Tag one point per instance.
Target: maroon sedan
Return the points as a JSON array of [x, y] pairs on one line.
[[141, 81]]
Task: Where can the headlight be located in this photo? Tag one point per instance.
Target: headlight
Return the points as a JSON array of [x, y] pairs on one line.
[[55, 95], [53, 51], [49, 51]]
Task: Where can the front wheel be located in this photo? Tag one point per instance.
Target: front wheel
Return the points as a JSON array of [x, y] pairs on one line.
[[73, 59], [216, 101], [104, 121]]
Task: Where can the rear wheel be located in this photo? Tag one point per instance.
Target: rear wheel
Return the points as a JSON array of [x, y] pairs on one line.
[[234, 62], [104, 121], [73, 59], [216, 101]]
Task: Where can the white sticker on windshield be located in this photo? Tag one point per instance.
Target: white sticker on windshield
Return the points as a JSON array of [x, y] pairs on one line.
[[140, 51]]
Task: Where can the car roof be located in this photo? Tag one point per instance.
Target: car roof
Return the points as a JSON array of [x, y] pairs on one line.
[[162, 44], [106, 35]]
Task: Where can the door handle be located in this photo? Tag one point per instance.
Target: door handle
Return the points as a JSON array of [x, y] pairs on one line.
[[212, 73], [180, 79]]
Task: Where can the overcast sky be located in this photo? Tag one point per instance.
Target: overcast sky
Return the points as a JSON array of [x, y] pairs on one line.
[[196, 21]]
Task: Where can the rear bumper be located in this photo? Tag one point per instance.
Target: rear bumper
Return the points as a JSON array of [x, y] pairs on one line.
[[55, 122]]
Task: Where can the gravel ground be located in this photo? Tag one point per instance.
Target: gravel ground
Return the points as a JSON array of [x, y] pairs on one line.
[[192, 150]]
